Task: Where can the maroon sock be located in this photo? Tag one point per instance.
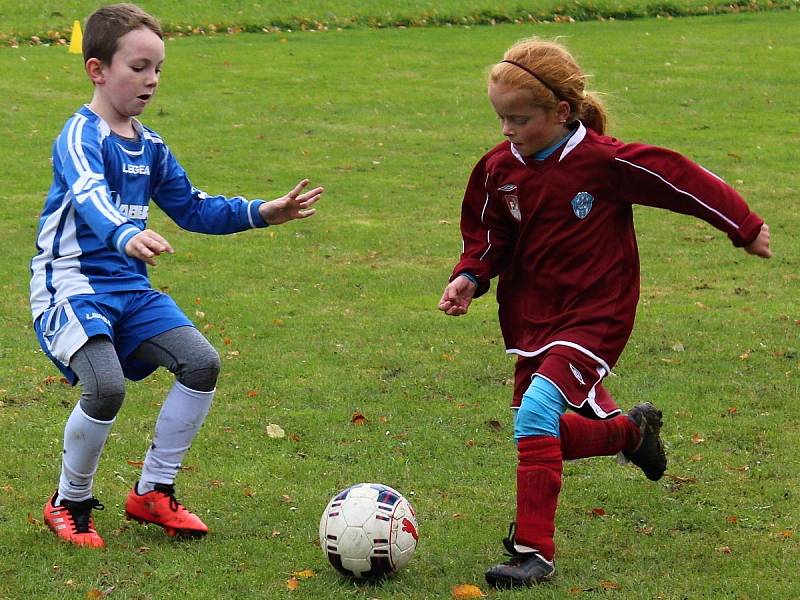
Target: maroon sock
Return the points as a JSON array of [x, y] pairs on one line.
[[582, 437], [538, 485]]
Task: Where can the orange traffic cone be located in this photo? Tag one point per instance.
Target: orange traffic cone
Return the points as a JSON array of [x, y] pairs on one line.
[[76, 41]]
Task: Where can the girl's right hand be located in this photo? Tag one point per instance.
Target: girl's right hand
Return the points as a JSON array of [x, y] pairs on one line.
[[146, 245], [760, 245], [457, 296]]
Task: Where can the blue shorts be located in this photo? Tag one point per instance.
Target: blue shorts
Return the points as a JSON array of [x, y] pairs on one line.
[[126, 318]]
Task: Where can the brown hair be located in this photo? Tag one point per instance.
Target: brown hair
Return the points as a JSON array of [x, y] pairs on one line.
[[106, 25], [551, 73]]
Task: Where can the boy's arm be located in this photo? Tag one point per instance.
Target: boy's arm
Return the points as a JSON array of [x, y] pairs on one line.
[[485, 230], [662, 178], [194, 210]]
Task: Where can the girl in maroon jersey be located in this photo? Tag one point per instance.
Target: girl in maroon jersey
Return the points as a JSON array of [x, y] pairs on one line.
[[549, 211]]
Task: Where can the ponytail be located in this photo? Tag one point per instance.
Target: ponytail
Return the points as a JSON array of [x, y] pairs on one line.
[[593, 113]]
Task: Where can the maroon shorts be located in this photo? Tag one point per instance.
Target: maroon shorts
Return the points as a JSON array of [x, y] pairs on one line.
[[577, 376]]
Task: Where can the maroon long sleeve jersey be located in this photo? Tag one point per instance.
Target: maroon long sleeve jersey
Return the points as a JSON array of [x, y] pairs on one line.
[[559, 234]]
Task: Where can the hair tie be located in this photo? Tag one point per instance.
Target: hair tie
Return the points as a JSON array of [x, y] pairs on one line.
[[535, 76]]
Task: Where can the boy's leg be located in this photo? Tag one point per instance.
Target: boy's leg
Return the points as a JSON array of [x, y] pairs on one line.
[[536, 430], [102, 392], [195, 363]]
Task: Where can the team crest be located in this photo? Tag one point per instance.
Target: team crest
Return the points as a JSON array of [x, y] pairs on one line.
[[511, 200], [513, 205], [582, 204]]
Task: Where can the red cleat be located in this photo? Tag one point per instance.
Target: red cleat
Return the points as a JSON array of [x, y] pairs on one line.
[[72, 521], [161, 508]]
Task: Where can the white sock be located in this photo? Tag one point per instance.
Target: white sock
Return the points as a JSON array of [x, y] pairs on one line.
[[84, 438], [181, 416]]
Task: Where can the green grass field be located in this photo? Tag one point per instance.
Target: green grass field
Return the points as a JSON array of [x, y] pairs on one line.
[[321, 319]]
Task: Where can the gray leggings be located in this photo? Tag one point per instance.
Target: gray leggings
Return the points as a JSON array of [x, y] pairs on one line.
[[183, 350]]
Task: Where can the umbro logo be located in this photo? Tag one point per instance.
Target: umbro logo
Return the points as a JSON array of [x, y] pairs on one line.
[[577, 374], [509, 187]]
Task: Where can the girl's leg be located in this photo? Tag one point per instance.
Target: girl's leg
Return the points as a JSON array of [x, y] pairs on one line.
[[536, 430]]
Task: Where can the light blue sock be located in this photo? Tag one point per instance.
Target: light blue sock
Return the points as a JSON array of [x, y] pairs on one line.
[[541, 408]]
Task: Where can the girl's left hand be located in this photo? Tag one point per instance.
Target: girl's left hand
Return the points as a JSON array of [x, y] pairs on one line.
[[760, 245], [293, 205]]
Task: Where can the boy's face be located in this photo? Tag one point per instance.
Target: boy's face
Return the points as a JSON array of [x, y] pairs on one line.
[[127, 85], [529, 127]]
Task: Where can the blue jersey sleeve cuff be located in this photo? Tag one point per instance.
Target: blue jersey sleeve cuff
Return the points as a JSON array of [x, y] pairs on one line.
[[123, 235], [253, 216]]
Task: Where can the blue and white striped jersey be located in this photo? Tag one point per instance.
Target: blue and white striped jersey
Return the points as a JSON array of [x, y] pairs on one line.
[[99, 199]]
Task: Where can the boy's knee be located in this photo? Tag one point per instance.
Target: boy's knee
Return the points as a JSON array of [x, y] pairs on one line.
[[202, 373], [102, 397]]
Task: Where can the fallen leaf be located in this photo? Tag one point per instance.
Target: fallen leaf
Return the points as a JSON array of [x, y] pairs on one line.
[[741, 469], [304, 574], [679, 479], [286, 498], [609, 585], [724, 550], [292, 584], [136, 463], [495, 424], [598, 512], [94, 594], [252, 393], [732, 519], [227, 341], [358, 419], [786, 534], [697, 457], [276, 533], [646, 530], [275, 431], [465, 591], [697, 439]]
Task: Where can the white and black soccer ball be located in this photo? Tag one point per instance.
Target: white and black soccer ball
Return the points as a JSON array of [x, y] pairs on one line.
[[368, 531]]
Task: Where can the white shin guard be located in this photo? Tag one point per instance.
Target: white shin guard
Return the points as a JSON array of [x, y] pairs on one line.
[[84, 439], [181, 416]]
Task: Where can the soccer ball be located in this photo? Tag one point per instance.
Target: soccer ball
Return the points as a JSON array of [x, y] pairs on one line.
[[368, 531]]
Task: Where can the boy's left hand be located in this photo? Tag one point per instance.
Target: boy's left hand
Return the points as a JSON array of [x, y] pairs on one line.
[[293, 205], [760, 245]]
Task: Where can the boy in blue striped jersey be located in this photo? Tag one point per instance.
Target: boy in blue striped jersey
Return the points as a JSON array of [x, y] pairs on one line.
[[95, 313]]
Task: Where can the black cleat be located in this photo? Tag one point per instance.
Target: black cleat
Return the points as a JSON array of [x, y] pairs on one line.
[[522, 569], [649, 455]]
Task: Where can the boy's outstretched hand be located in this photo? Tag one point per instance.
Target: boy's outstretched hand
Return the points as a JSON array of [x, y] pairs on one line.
[[293, 205], [760, 245], [146, 245], [457, 296]]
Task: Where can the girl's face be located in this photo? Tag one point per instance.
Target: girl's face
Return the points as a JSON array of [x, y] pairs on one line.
[[529, 127]]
